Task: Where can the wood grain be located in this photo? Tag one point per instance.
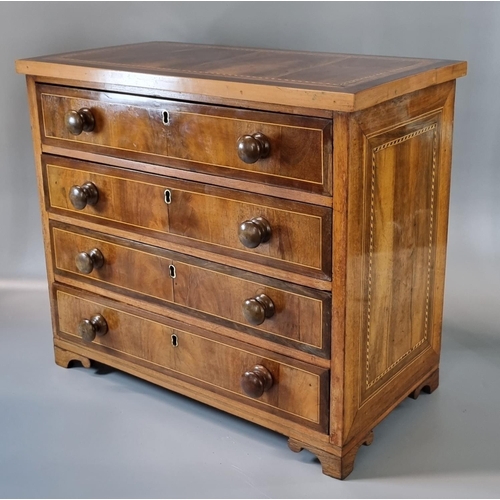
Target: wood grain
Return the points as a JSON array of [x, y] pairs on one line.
[[64, 358], [429, 385], [258, 416], [196, 137], [356, 191], [396, 234], [402, 214], [305, 79], [37, 149], [301, 320], [203, 361], [333, 465], [253, 267], [186, 96], [198, 215], [339, 288], [169, 172]]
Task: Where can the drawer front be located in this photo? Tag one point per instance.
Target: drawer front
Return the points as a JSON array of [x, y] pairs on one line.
[[196, 215], [300, 316], [192, 136], [299, 391]]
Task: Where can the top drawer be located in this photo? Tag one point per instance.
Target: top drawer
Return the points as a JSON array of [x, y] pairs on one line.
[[284, 150]]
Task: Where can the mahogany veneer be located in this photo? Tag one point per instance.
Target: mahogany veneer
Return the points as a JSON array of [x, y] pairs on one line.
[[261, 230]]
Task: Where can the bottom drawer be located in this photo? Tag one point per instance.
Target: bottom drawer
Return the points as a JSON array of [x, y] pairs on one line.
[[252, 376]]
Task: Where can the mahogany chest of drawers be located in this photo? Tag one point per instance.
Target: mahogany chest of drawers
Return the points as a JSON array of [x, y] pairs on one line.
[[263, 231]]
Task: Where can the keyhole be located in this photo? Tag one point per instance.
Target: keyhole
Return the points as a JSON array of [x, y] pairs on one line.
[[175, 340], [171, 271], [168, 196], [165, 117]]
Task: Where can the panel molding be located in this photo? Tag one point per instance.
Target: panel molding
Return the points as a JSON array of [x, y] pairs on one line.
[[432, 127]]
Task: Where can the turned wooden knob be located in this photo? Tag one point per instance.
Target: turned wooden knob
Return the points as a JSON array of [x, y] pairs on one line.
[[81, 196], [88, 329], [253, 232], [257, 309], [86, 262], [79, 121], [253, 147], [256, 381]]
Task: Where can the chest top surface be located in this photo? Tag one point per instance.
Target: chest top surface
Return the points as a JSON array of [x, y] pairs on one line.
[[337, 82]]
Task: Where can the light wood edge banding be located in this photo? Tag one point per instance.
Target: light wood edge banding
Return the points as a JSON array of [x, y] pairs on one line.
[[270, 94]]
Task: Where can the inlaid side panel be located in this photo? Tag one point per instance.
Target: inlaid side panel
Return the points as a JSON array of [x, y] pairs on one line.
[[397, 216], [401, 167]]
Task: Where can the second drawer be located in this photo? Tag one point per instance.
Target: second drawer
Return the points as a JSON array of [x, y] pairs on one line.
[[290, 236], [288, 314]]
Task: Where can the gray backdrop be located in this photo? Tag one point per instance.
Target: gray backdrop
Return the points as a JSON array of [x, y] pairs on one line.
[[466, 31], [446, 445]]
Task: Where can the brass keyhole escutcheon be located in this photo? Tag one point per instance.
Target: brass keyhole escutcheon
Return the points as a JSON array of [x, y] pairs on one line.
[[175, 340]]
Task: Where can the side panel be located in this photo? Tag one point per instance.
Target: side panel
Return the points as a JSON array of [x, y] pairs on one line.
[[398, 196]]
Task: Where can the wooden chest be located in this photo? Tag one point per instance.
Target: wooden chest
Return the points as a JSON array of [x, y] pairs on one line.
[[263, 231]]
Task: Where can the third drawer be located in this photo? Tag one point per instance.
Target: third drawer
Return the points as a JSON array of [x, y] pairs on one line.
[[288, 314]]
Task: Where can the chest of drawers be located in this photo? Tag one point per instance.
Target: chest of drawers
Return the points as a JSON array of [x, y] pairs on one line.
[[263, 231]]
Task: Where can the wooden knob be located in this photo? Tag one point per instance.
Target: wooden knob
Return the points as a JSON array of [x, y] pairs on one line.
[[257, 309], [86, 262], [256, 381], [253, 147], [81, 196], [79, 121], [88, 329], [253, 232]]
